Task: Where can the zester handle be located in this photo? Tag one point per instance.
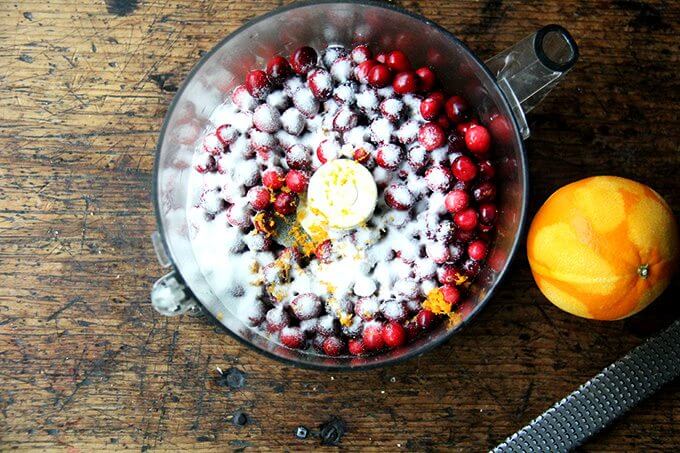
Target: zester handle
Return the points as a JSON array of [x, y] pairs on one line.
[[604, 398]]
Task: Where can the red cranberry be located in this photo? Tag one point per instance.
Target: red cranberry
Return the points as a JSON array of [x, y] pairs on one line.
[[356, 346], [447, 274], [278, 69], [277, 319], [478, 140], [274, 178], [389, 156], [443, 121], [456, 143], [327, 150], [345, 119], [456, 109], [306, 306], [477, 250], [298, 157], [450, 293], [484, 192], [426, 78], [212, 144], [303, 60], [362, 70], [391, 109], [323, 251], [464, 169], [259, 198], [242, 98], [412, 330], [424, 319], [405, 82], [466, 219], [257, 83], [465, 235], [381, 58], [372, 336], [226, 134], [379, 76], [487, 213], [462, 128], [361, 53], [398, 61], [486, 170], [296, 181], [319, 81], [456, 200], [285, 203], [206, 163], [394, 335], [397, 196], [471, 268], [333, 346], [292, 337], [431, 136], [362, 155], [418, 158], [430, 107]]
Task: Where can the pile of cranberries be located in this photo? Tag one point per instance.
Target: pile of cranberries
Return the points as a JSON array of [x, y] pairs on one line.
[[463, 174]]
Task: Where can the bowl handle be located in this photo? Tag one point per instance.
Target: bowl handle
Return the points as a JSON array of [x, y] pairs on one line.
[[527, 71], [169, 294]]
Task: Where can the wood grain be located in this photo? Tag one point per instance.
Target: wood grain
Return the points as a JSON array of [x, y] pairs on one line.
[[86, 364]]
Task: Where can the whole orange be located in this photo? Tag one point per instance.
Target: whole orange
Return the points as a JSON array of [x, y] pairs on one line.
[[603, 247]]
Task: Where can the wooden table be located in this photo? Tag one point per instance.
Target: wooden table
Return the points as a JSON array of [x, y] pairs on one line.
[[85, 362]]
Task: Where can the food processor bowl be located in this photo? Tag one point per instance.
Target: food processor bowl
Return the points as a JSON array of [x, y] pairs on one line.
[[500, 92]]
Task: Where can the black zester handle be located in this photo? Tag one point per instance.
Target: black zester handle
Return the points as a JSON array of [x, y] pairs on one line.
[[604, 398]]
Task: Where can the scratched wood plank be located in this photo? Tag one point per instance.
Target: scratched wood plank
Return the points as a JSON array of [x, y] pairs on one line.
[[86, 364]]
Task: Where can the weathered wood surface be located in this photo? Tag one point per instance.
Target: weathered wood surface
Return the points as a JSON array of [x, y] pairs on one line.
[[86, 364]]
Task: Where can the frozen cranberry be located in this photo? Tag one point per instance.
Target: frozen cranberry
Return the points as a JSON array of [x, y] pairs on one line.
[[303, 60], [394, 335], [226, 134], [333, 346], [278, 69], [366, 308], [381, 58], [408, 132], [455, 250], [372, 336], [462, 128], [205, 163], [292, 337], [238, 216], [305, 102], [431, 136], [356, 346], [332, 53], [362, 155], [285, 203], [362, 70], [393, 310], [450, 293], [262, 142], [487, 213], [264, 223], [389, 156], [405, 82], [257, 83], [361, 53], [448, 274], [342, 69], [471, 268], [391, 109], [277, 319], [298, 157], [437, 252], [397, 196], [345, 119], [486, 170], [323, 251], [426, 78], [398, 61], [274, 178], [445, 231], [418, 157], [379, 76], [484, 192], [430, 108], [293, 121], [466, 219], [242, 98], [478, 140], [456, 200], [212, 144], [296, 181], [306, 306], [266, 118], [438, 178], [319, 81], [464, 169], [424, 319], [477, 250], [327, 150], [259, 198], [456, 109]]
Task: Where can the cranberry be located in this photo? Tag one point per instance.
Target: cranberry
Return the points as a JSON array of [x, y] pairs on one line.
[[464, 169], [303, 60], [345, 119], [356, 346], [484, 192], [381, 58], [306, 306], [206, 164], [394, 335], [430, 107], [450, 293], [264, 223], [278, 69], [462, 128], [285, 203], [293, 121], [305, 102], [456, 200], [362, 155], [277, 319], [323, 251], [212, 144], [448, 274], [327, 150], [342, 69], [394, 310], [424, 319], [398, 61], [389, 156], [266, 118], [405, 82], [391, 109], [257, 83], [379, 76], [366, 308], [242, 98], [477, 250], [465, 235], [259, 198], [418, 158], [296, 181], [466, 219], [298, 157], [262, 142], [412, 330], [426, 78], [456, 109], [273, 178], [361, 53], [438, 252], [319, 81], [226, 134], [362, 70], [455, 251], [397, 196], [487, 213], [372, 336], [292, 337], [431, 136], [471, 268], [333, 346], [486, 170], [478, 140], [443, 121], [438, 178], [456, 143]]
